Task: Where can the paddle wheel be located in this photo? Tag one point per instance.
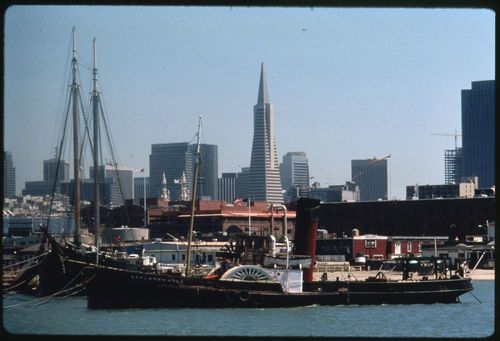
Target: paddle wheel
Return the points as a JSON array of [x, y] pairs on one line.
[[247, 273]]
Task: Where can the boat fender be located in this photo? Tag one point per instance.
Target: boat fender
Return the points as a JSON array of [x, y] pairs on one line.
[[243, 296]]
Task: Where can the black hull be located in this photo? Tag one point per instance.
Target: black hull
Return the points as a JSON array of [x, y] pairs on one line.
[[398, 292], [128, 289], [66, 270]]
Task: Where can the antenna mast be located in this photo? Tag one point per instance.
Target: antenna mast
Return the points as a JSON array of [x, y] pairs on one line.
[[95, 117], [193, 194], [76, 157]]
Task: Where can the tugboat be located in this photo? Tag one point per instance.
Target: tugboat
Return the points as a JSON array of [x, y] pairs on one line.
[[258, 286]]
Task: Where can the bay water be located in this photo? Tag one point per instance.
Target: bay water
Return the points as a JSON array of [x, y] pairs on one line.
[[473, 317]]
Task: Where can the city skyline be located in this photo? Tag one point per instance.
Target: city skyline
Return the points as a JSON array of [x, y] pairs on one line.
[[347, 83]]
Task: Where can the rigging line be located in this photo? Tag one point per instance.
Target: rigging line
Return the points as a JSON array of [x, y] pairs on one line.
[[79, 285], [109, 138], [63, 90], [29, 267], [26, 260], [86, 119], [100, 156], [82, 285], [40, 298], [46, 298], [65, 289], [60, 151], [113, 156], [470, 292], [14, 286], [84, 65]]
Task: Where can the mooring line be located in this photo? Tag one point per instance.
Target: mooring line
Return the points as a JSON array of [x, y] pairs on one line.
[[470, 292]]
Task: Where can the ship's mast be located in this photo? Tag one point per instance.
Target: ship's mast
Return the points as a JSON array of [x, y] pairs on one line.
[[95, 156], [193, 195], [76, 145]]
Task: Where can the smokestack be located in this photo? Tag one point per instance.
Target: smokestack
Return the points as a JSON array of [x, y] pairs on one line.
[[306, 228]]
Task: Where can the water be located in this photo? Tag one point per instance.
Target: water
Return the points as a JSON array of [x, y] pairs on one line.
[[70, 316]]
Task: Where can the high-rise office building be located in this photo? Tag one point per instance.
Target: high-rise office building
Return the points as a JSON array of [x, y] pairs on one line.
[[50, 170], [371, 177], [120, 180], [453, 165], [139, 183], [294, 172], [478, 132], [264, 178], [242, 179], [173, 159], [9, 176], [209, 171], [227, 187], [176, 159]]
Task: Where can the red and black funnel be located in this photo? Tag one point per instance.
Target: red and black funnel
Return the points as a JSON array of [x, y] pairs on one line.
[[306, 227]]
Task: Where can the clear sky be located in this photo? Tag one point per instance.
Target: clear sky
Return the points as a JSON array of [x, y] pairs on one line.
[[345, 83]]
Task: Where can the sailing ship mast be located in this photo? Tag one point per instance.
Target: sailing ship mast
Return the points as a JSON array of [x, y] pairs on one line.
[[193, 195], [76, 145], [95, 154]]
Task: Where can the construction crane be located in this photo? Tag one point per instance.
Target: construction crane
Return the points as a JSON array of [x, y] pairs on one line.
[[455, 135], [371, 163]]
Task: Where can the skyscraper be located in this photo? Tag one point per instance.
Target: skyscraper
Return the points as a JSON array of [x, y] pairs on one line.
[[294, 172], [371, 177], [139, 183], [174, 159], [50, 170], [208, 172], [46, 186], [242, 182], [478, 132], [264, 178], [120, 180], [453, 166], [9, 176], [227, 187]]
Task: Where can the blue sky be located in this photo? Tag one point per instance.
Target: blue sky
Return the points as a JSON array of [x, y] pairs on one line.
[[346, 83]]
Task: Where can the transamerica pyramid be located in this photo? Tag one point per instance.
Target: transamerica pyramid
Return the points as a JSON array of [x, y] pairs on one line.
[[264, 178]]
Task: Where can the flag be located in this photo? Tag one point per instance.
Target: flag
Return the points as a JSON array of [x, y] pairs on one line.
[[247, 201]]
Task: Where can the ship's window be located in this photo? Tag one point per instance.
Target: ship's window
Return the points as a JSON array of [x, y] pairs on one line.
[[173, 257], [210, 258], [183, 256], [370, 243]]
